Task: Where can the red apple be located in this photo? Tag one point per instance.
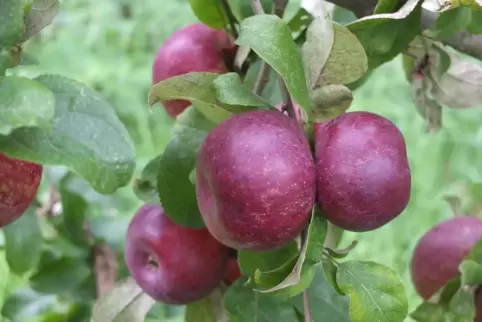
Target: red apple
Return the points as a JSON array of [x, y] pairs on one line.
[[171, 263], [233, 271], [19, 182], [255, 180], [363, 175], [194, 48]]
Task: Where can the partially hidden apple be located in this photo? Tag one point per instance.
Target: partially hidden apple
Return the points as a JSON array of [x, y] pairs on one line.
[[255, 180], [193, 48], [440, 251], [363, 175], [171, 263], [19, 182], [233, 272]]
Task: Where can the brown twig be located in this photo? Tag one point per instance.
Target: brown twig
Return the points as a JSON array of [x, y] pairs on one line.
[[105, 268], [287, 104], [230, 16], [257, 7]]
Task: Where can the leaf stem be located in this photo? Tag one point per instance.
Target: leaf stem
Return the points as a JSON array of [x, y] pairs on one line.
[[257, 7], [306, 306], [230, 16]]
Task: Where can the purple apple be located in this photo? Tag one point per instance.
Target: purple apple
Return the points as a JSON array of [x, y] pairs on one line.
[[194, 48], [255, 180], [171, 263], [19, 182], [440, 251], [233, 272], [363, 176]]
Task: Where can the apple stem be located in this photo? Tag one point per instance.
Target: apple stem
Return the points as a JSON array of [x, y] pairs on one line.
[[230, 16], [287, 104], [306, 306]]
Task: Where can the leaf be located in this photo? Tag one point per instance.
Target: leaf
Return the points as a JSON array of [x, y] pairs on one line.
[[462, 306], [449, 23], [11, 23], [176, 192], [145, 186], [471, 272], [208, 309], [125, 303], [375, 291], [86, 136], [347, 61], [475, 25], [60, 276], [74, 209], [326, 303], [316, 49], [384, 36], [246, 305], [330, 101], [270, 37], [300, 22], [209, 12], [230, 90], [23, 242], [40, 15], [24, 103], [385, 6], [428, 312], [194, 87], [426, 104], [342, 253]]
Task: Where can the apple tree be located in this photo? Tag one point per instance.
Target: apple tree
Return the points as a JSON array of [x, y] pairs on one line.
[[265, 168]]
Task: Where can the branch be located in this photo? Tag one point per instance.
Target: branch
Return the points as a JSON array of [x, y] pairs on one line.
[[230, 16], [462, 41], [105, 268], [306, 306]]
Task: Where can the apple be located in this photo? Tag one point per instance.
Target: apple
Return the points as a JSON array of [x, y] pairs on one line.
[[255, 180], [478, 305], [440, 251], [363, 176], [19, 182], [171, 263], [193, 48], [233, 271]]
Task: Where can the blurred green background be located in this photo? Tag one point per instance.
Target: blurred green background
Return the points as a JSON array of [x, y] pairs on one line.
[[110, 45]]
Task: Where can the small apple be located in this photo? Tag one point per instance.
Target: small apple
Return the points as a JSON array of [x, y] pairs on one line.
[[363, 176], [193, 48], [255, 180], [19, 182], [233, 271], [440, 251], [171, 263]]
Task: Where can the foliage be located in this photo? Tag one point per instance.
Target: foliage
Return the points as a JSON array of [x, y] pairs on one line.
[[80, 107]]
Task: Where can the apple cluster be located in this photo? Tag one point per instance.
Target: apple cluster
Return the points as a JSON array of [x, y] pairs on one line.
[[258, 178]]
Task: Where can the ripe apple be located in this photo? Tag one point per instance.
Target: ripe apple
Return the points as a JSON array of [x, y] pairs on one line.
[[171, 263], [233, 271], [440, 251], [363, 176], [193, 48], [19, 182], [255, 180]]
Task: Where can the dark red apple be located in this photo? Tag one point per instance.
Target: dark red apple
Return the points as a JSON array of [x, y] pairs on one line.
[[171, 263], [440, 251], [255, 180], [478, 305], [19, 182], [363, 176], [233, 271], [194, 48]]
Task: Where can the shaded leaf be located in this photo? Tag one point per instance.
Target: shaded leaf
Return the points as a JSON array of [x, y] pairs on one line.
[[209, 12], [74, 209], [375, 291], [208, 309], [24, 103], [341, 253], [11, 23], [145, 186], [461, 306], [230, 90], [125, 303], [385, 6], [40, 15], [330, 101], [428, 312], [23, 242], [449, 23], [86, 136], [471, 272], [475, 25], [270, 37]]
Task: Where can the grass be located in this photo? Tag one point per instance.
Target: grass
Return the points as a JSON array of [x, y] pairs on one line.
[[92, 42]]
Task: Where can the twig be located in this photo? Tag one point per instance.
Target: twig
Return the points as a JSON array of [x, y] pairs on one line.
[[257, 7], [230, 16], [306, 306], [287, 104], [279, 7], [105, 268]]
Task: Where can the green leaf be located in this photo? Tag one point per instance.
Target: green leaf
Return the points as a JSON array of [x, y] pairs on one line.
[[209, 12], [23, 242], [60, 276], [384, 36], [385, 6], [74, 209], [111, 229], [125, 303], [208, 309], [300, 22], [326, 303], [231, 91], [330, 101], [475, 25], [375, 291], [476, 252], [40, 15], [429, 312], [145, 186], [24, 103], [176, 192], [449, 23], [471, 272], [341, 253], [461, 306], [11, 22], [86, 136], [270, 37], [194, 87], [246, 305]]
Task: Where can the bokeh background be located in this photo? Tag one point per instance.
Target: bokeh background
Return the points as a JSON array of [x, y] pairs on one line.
[[110, 45]]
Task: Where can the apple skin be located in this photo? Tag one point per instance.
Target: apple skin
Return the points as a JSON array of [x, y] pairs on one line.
[[190, 263], [255, 180], [440, 251], [193, 48], [233, 272], [19, 182], [363, 176], [478, 305]]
